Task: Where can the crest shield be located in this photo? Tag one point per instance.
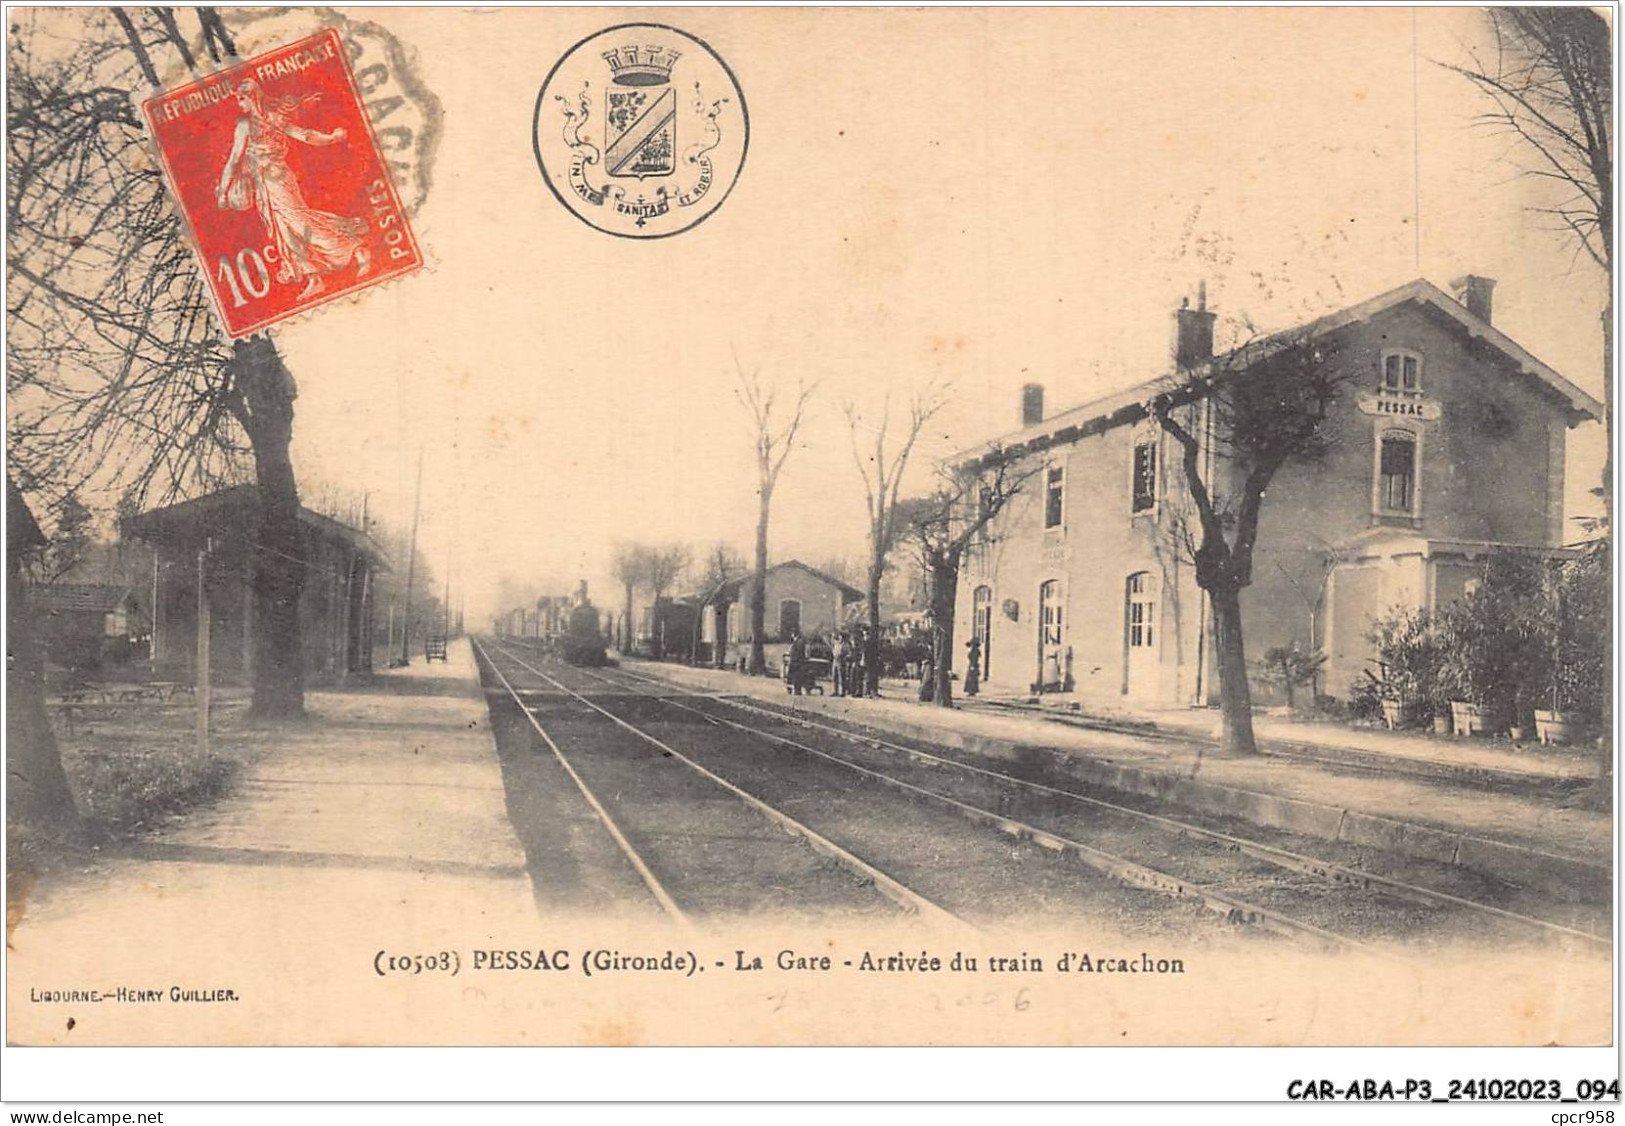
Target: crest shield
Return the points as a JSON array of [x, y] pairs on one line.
[[642, 132]]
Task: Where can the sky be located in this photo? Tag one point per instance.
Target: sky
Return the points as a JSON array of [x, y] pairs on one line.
[[956, 197]]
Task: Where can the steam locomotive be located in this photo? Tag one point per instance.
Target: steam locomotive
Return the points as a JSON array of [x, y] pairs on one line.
[[581, 643]]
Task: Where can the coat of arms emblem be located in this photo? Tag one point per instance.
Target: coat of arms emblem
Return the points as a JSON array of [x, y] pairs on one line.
[[662, 147], [641, 112]]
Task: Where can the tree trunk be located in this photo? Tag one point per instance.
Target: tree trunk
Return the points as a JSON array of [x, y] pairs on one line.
[[871, 642], [944, 591], [1606, 766], [279, 556], [758, 593], [626, 622], [1608, 405], [1235, 697], [38, 794]]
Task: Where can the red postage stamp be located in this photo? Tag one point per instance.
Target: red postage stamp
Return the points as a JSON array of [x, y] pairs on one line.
[[275, 167]]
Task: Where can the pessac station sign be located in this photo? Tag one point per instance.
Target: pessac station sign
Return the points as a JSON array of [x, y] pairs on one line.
[[1394, 406]]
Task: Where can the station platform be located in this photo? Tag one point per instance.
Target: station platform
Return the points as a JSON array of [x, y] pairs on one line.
[[1482, 812], [1487, 761], [377, 828]]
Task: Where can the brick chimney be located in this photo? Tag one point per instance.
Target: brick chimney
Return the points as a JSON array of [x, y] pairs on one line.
[[1032, 404], [1193, 336], [1476, 293]]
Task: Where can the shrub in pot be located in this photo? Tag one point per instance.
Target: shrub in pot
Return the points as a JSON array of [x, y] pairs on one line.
[[1580, 688], [1495, 644], [1408, 652]]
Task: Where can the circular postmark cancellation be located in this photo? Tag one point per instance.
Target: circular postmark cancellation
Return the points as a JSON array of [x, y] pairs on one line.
[[641, 130], [406, 117]]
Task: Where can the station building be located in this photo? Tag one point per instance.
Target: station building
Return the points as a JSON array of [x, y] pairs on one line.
[[90, 625], [1445, 444], [337, 607], [800, 599]]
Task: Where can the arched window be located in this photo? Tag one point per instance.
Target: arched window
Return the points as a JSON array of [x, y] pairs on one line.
[[982, 625], [1396, 484], [1049, 606], [1140, 634], [1142, 606]]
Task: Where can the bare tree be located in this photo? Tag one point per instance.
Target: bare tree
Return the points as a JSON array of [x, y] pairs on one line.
[[629, 564], [1256, 409], [882, 471], [118, 377], [723, 564], [775, 426], [663, 566], [1312, 589], [943, 526], [1551, 82]]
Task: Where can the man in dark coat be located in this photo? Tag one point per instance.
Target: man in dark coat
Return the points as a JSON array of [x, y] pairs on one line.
[[796, 664]]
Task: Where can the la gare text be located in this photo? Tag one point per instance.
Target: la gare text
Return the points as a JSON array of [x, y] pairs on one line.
[[790, 960]]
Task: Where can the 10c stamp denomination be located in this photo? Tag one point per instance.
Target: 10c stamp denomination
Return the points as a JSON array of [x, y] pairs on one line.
[[275, 167], [641, 130]]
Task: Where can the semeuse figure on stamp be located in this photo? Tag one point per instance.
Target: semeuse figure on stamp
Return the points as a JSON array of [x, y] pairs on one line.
[[308, 242]]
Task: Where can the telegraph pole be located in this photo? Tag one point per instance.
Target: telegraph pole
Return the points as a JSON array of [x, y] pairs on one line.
[[152, 642], [411, 561], [445, 604]]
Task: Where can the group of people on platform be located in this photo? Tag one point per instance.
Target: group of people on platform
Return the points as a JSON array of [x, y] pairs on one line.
[[849, 669], [848, 665]]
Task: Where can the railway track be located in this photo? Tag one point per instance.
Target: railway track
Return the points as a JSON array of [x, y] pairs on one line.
[[665, 812], [979, 877], [1246, 879]]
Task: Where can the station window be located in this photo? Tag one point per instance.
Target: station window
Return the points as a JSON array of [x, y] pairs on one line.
[[1142, 604], [1054, 496], [789, 618], [1396, 485], [1401, 372], [1145, 476], [1049, 604]]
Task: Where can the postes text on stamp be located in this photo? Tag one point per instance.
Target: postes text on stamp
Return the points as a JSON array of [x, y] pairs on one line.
[[275, 167], [641, 130]]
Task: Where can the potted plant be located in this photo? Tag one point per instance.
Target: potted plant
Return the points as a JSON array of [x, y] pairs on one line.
[[1578, 667], [1467, 717], [1457, 681], [1409, 654], [1496, 644], [1552, 726]]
